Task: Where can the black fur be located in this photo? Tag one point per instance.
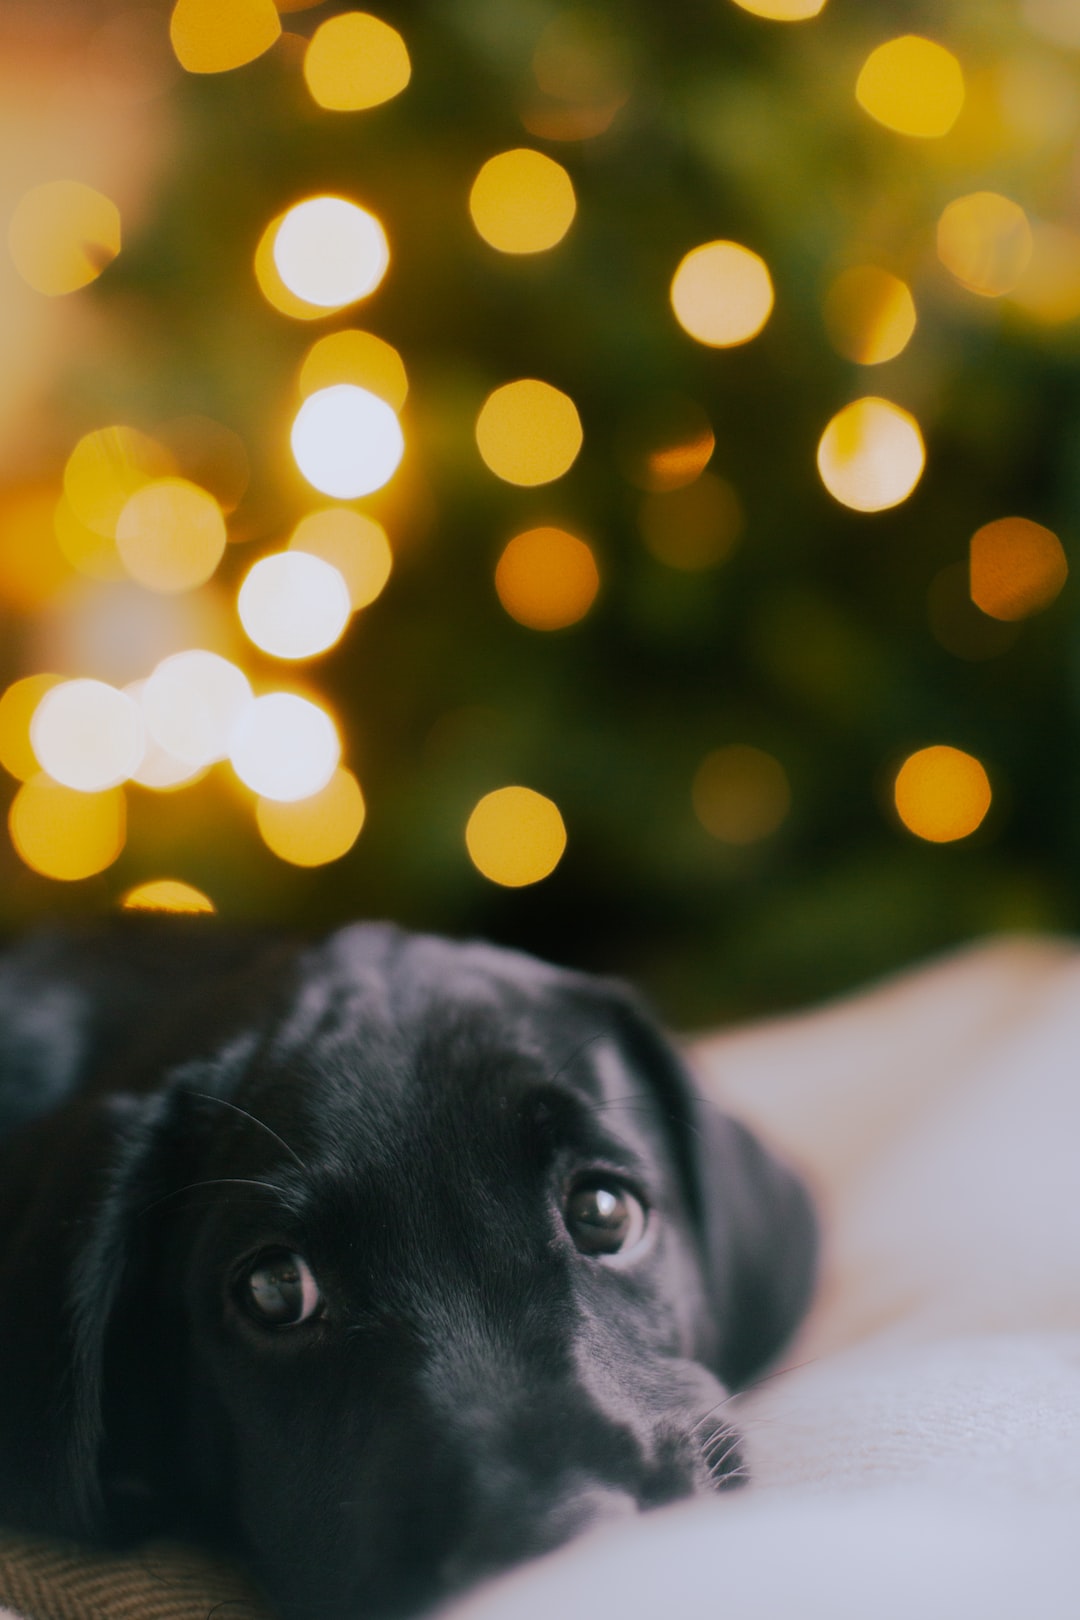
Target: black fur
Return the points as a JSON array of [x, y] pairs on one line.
[[408, 1115]]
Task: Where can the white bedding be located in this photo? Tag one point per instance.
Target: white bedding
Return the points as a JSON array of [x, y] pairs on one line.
[[919, 1458]]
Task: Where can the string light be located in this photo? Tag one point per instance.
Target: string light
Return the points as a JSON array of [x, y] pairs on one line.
[[722, 294], [1017, 568], [869, 315], [783, 10], [158, 769], [942, 794], [17, 709], [347, 442], [171, 535], [166, 894], [87, 735], [214, 36], [528, 432], [912, 85], [985, 241], [104, 471], [330, 252], [547, 579], [871, 455], [316, 830], [515, 837], [192, 702], [284, 747], [355, 357], [65, 834], [62, 235], [294, 604], [522, 202], [354, 543], [355, 61]]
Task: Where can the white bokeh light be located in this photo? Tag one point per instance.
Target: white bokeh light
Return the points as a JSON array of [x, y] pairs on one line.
[[158, 769], [294, 605], [330, 252], [192, 702], [87, 735], [284, 747], [347, 442]]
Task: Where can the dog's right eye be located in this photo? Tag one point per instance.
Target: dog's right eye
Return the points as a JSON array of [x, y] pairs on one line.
[[279, 1290]]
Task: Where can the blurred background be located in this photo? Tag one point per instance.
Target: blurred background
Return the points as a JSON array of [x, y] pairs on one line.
[[600, 477]]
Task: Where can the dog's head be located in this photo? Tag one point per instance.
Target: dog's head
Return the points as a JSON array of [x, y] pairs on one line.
[[436, 1262]]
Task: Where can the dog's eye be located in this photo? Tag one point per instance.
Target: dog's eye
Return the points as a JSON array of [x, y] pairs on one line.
[[279, 1290], [604, 1217]]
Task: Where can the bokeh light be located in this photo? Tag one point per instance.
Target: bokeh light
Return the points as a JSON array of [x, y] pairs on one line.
[[294, 604], [869, 315], [347, 442], [355, 544], [355, 357], [355, 61], [213, 36], [871, 455], [522, 201], [722, 294], [17, 709], [192, 702], [158, 769], [65, 834], [284, 747], [666, 443], [62, 235], [782, 10], [694, 527], [912, 85], [87, 735], [547, 579], [171, 535], [166, 894], [1049, 289], [1056, 20], [316, 830], [87, 551], [583, 69], [32, 565], [740, 794], [942, 794], [1017, 568], [330, 252], [105, 469], [515, 836], [528, 432], [958, 625], [985, 241]]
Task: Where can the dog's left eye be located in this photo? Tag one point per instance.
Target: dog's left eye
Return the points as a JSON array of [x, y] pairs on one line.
[[604, 1217], [279, 1289]]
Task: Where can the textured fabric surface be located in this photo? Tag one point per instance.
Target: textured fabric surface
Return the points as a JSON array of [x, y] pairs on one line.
[[52, 1580]]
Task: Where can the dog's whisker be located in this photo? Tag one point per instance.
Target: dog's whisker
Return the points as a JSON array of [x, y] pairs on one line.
[[208, 1096], [212, 1181]]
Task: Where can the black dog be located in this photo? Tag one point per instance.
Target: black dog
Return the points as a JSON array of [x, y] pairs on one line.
[[385, 1261]]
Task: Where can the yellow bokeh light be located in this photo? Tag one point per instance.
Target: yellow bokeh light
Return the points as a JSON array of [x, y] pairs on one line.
[[62, 235], [522, 201], [869, 315], [171, 535], [271, 285], [294, 604], [105, 469], [740, 794], [941, 794], [783, 10], [528, 432], [87, 735], [89, 552], [985, 241], [17, 708], [32, 565], [547, 579], [515, 836], [871, 455], [722, 294], [213, 36], [359, 358], [355, 61], [1016, 568], [330, 252], [912, 85], [694, 527], [166, 894], [347, 441], [354, 543], [284, 747], [1049, 289], [313, 831], [64, 834], [666, 444], [192, 702]]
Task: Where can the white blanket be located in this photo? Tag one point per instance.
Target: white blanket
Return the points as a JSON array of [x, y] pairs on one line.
[[919, 1457]]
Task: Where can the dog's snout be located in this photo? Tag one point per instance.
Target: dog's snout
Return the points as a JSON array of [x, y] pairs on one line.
[[534, 1526]]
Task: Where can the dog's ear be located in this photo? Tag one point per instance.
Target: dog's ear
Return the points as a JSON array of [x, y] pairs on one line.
[[82, 1385], [754, 1217]]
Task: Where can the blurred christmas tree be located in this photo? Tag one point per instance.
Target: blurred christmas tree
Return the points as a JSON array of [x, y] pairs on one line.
[[787, 295]]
